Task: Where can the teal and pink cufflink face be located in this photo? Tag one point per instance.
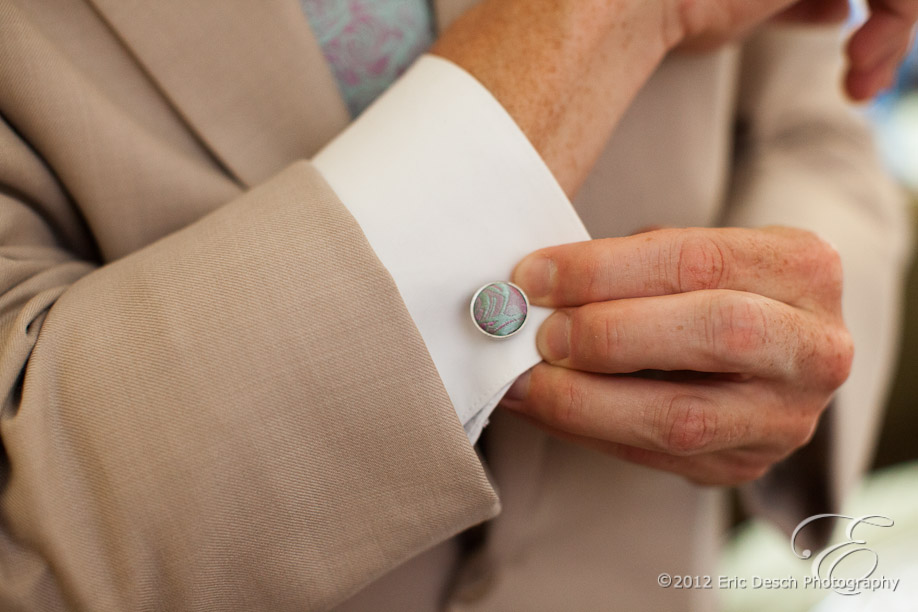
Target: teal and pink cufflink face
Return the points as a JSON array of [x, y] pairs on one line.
[[499, 309]]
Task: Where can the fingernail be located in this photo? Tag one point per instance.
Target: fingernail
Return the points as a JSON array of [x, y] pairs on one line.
[[535, 274], [554, 338], [519, 389]]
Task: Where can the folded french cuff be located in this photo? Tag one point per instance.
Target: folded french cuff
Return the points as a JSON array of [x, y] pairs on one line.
[[451, 195]]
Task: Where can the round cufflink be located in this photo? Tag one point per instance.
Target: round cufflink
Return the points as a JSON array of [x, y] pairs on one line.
[[499, 309]]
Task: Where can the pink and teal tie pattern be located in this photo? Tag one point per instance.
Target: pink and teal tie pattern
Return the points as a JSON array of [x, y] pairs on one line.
[[369, 43]]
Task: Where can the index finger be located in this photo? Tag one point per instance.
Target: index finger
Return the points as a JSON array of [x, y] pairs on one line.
[[789, 265]]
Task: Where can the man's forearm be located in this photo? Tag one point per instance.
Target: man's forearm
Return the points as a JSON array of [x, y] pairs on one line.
[[565, 71]]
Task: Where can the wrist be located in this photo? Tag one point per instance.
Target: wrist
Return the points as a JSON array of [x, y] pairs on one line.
[[564, 70]]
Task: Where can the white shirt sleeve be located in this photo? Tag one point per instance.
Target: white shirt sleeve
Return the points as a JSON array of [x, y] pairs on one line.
[[451, 195]]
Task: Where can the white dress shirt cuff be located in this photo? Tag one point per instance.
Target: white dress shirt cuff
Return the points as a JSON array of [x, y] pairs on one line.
[[451, 195]]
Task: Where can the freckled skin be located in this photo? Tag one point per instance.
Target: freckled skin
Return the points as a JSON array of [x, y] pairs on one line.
[[712, 357], [566, 70], [753, 316]]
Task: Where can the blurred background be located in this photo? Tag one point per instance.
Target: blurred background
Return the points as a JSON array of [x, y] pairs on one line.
[[895, 116], [757, 549]]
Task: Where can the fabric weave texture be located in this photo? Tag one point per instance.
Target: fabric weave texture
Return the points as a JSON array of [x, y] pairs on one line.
[[369, 43]]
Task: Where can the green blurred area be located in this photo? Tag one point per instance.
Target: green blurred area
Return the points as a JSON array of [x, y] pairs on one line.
[[758, 549]]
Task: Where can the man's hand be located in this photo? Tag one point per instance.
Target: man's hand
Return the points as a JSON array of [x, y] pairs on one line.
[[878, 47], [566, 70], [743, 328]]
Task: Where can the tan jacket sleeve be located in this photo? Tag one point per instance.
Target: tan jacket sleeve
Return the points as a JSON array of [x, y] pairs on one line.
[[806, 159], [239, 415]]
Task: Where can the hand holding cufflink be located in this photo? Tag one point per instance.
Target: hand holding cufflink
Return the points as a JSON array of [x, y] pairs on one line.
[[753, 314]]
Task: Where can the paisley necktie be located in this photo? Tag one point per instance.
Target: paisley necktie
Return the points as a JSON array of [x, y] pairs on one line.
[[369, 43]]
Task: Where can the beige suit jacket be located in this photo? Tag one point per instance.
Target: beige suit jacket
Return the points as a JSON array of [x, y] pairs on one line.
[[213, 396]]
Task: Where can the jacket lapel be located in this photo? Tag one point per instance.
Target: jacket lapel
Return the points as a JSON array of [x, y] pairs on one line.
[[248, 77]]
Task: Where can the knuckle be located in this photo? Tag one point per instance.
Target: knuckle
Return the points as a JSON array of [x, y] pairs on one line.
[[700, 262], [822, 352], [677, 24], [840, 357], [825, 356], [594, 336], [685, 425], [803, 432], [824, 265], [595, 280], [834, 270], [795, 430], [739, 326], [566, 412]]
